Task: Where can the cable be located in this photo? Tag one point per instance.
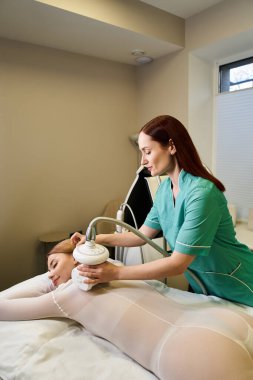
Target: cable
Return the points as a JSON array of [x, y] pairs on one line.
[[131, 212], [120, 216]]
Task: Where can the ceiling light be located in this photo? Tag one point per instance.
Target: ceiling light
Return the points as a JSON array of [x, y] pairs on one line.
[[143, 59], [140, 56]]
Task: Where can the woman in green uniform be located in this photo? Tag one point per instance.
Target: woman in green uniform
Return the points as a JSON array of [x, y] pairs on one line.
[[191, 210]]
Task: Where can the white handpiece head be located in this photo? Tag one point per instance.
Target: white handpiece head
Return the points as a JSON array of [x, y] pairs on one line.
[[88, 253]]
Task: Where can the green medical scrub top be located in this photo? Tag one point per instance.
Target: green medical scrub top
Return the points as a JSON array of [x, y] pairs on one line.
[[199, 224]]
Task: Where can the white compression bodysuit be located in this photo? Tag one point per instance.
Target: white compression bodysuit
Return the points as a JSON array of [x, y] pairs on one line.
[[173, 340]]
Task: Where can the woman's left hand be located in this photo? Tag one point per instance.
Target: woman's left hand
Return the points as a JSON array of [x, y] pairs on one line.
[[96, 274]]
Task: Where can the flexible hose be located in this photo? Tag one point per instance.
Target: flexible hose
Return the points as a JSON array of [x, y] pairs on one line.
[[91, 235]]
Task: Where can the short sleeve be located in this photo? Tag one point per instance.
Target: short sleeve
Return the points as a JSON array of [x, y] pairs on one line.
[[202, 218], [152, 220]]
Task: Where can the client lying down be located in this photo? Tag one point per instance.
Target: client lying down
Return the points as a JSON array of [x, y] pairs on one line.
[[174, 341]]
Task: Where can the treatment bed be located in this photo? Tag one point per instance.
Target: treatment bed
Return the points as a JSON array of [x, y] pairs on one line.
[[60, 348]]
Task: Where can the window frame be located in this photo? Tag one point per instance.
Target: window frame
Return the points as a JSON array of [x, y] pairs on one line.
[[224, 74]]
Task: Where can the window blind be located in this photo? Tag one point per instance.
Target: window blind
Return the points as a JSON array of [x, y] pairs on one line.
[[234, 148]]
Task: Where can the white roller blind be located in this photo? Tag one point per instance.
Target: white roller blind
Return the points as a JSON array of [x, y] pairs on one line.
[[234, 148]]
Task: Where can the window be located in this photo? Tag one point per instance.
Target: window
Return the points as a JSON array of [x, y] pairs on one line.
[[234, 134], [236, 75]]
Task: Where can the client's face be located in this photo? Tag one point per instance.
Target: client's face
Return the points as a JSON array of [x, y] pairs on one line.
[[60, 266]]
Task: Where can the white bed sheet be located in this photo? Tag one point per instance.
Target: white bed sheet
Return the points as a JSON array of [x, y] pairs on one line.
[[62, 349]]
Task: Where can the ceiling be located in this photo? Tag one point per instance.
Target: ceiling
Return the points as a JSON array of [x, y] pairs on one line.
[[41, 23], [182, 8]]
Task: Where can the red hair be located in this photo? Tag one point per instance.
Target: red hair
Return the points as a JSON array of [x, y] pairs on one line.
[[165, 128], [65, 246]]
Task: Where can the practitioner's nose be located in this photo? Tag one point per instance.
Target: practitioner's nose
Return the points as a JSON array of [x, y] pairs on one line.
[[144, 161]]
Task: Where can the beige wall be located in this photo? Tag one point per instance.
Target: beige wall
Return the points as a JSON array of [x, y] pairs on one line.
[[161, 88], [131, 14], [227, 19], [200, 106], [222, 32], [182, 84], [64, 127], [65, 121]]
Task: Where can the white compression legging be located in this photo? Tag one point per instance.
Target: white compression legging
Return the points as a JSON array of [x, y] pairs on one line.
[[174, 341]]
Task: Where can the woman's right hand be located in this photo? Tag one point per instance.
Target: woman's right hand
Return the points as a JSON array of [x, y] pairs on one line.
[[77, 238]]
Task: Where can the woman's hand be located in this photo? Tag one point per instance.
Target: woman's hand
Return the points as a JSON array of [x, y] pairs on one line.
[[77, 238], [96, 274]]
